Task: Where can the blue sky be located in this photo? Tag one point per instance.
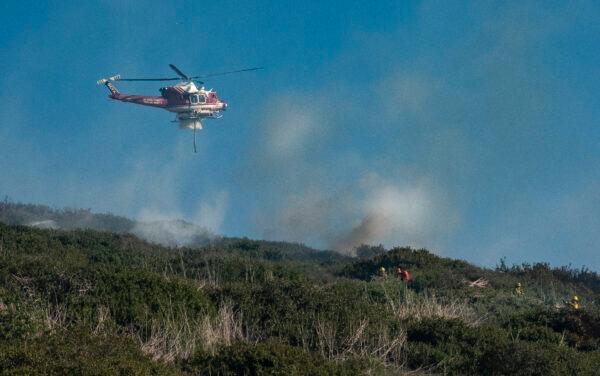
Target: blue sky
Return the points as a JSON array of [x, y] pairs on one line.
[[470, 128]]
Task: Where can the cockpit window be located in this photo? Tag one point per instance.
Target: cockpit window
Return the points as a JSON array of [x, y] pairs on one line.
[[194, 98], [201, 98]]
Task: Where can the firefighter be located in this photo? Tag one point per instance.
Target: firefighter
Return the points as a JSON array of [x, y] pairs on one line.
[[405, 275], [398, 272], [382, 272], [574, 303], [519, 289]]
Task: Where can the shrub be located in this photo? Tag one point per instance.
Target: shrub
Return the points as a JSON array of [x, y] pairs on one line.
[[269, 358], [77, 352]]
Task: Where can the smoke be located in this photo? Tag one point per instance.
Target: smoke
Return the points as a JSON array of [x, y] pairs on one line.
[[391, 215], [170, 231], [291, 124], [383, 212], [45, 224], [211, 212], [367, 229], [167, 228], [152, 189], [322, 193], [308, 216], [327, 213]]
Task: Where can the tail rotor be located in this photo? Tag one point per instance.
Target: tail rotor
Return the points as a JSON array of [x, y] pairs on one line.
[[107, 82], [103, 81]]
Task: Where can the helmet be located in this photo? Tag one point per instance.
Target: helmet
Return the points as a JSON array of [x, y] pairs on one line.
[[575, 297], [519, 284]]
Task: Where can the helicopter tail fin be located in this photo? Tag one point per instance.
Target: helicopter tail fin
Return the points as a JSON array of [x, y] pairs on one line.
[[107, 82]]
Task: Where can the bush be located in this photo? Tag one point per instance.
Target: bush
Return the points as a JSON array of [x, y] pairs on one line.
[[96, 302], [269, 358], [454, 348], [76, 352]]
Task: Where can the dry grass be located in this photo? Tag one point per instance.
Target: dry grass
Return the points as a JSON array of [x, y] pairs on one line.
[[102, 321], [382, 343], [359, 342], [479, 283], [362, 340], [417, 307], [178, 337], [55, 316], [169, 341], [224, 329]]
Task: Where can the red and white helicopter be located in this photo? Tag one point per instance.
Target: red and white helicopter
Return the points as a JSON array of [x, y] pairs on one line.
[[190, 104]]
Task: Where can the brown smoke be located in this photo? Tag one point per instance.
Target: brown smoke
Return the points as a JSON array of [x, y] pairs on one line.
[[360, 234]]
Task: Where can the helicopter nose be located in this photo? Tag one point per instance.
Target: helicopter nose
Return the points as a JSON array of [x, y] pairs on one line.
[[224, 106]]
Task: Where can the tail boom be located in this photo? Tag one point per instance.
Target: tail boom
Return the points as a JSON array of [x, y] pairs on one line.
[[144, 100]]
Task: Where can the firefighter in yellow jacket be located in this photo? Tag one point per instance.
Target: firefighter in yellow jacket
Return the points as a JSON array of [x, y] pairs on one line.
[[574, 303], [519, 289]]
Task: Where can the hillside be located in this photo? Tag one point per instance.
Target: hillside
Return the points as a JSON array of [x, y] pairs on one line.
[[98, 302]]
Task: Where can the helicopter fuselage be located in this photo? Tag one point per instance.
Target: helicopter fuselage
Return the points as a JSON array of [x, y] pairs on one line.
[[189, 103]]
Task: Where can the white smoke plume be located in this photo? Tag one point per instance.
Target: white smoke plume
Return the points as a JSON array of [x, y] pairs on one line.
[[373, 211], [170, 230], [152, 190], [391, 216], [292, 124], [310, 205], [211, 213], [45, 224]]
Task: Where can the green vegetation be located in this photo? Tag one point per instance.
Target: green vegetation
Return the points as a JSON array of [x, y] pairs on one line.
[[89, 302]]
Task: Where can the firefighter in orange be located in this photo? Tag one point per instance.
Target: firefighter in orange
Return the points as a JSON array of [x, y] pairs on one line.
[[405, 275]]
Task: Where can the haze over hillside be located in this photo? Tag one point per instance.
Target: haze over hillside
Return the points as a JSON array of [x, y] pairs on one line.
[[169, 232]]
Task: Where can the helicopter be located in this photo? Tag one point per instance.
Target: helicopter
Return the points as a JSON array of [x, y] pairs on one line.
[[190, 104]]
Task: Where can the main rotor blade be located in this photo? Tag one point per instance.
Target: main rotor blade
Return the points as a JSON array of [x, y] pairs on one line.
[[180, 73], [150, 79], [185, 77], [228, 72]]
